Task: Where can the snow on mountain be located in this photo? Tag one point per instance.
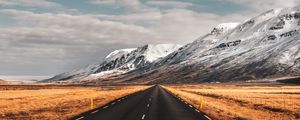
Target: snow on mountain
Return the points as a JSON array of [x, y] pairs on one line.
[[198, 46], [118, 53], [267, 45], [264, 46], [138, 58], [223, 28], [119, 62]]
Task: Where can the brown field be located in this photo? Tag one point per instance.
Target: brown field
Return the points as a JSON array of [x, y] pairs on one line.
[[227, 102], [44, 102]]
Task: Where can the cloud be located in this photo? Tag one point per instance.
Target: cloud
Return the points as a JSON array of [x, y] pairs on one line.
[[165, 24], [129, 5], [64, 40], [103, 2], [29, 3], [68, 24], [264, 5], [132, 18], [175, 4]]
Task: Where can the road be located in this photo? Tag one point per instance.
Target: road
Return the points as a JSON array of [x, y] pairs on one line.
[[155, 103]]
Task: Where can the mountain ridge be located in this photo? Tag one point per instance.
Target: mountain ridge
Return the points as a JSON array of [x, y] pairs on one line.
[[119, 61], [265, 46]]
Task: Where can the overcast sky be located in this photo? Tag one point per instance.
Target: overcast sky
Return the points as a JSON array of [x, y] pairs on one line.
[[47, 37]]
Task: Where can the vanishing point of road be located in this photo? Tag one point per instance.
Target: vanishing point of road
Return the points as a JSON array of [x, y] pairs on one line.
[[154, 103]]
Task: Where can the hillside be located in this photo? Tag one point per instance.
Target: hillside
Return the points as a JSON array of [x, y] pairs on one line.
[[119, 62], [3, 81], [265, 46]]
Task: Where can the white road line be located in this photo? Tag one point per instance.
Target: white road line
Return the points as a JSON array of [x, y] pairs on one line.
[[113, 103], [191, 106], [197, 110], [185, 102], [119, 100], [143, 117], [95, 111], [105, 107], [149, 99], [148, 105], [80, 118], [207, 117]]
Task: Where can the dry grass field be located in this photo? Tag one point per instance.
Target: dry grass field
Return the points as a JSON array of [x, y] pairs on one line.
[[227, 102], [43, 102]]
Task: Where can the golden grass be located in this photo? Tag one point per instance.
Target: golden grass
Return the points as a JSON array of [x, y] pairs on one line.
[[58, 103], [236, 102]]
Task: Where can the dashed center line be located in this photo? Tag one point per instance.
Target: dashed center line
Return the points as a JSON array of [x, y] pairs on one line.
[[207, 117], [80, 118], [95, 111], [148, 105], [105, 107], [143, 117]]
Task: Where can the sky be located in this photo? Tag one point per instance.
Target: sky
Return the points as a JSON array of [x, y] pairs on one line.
[[47, 37]]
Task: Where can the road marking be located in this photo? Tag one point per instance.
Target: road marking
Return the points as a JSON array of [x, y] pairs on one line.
[[143, 117], [119, 100], [207, 117], [191, 106], [105, 107], [113, 103], [148, 105], [95, 111], [149, 99], [197, 110], [80, 118], [185, 102]]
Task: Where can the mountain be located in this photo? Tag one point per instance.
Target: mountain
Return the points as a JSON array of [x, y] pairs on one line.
[[3, 81], [265, 46], [119, 62]]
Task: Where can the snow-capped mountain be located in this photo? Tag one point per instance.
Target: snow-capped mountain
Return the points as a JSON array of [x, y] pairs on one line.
[[267, 45], [118, 62]]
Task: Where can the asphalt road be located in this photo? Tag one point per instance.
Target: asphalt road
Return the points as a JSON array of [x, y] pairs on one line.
[[154, 103]]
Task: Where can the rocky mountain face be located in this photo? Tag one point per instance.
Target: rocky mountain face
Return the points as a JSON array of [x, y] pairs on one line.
[[266, 46], [119, 62]]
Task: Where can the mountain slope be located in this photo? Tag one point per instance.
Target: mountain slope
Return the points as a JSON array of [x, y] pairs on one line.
[[3, 81], [264, 46], [119, 62]]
